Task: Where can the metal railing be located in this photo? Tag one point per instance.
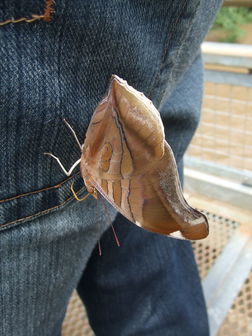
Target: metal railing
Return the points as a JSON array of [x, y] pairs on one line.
[[218, 165], [219, 158]]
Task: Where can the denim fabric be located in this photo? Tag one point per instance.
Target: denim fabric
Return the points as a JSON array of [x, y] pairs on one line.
[[56, 70], [41, 263]]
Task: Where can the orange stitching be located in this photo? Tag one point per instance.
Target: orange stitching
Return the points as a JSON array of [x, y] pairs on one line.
[[40, 212], [40, 190], [47, 16], [48, 10], [34, 18]]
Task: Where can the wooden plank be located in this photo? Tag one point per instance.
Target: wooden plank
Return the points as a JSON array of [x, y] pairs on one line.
[[239, 3], [227, 49], [218, 188], [241, 176]]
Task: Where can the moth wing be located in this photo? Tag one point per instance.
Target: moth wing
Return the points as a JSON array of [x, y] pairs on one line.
[[165, 180], [125, 157]]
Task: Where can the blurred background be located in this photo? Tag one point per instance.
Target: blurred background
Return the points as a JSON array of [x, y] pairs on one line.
[[218, 164]]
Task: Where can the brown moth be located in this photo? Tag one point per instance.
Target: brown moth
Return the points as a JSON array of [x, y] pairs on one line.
[[126, 159]]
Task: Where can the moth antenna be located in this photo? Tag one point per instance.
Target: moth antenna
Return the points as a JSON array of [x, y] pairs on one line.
[[99, 248], [73, 132], [75, 195], [99, 225], [69, 172], [115, 235], [112, 226]]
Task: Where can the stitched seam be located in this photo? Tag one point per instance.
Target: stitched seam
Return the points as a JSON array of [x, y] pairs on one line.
[[48, 10], [44, 212], [46, 16], [40, 190], [166, 48]]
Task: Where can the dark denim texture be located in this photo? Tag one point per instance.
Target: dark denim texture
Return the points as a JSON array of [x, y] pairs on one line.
[[61, 69]]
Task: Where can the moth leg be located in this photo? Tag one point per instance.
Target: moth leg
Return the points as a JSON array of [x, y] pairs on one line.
[[69, 172], [75, 195], [73, 132], [90, 188]]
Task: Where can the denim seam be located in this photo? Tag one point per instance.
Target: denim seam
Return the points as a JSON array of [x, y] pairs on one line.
[[44, 212], [46, 16], [193, 19], [40, 190], [163, 59]]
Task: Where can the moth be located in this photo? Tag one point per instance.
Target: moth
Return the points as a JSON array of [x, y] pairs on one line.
[[126, 159]]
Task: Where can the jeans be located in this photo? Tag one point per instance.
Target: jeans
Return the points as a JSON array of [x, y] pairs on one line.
[[60, 69]]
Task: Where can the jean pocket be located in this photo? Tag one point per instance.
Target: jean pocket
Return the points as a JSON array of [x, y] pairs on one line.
[[27, 206], [16, 11]]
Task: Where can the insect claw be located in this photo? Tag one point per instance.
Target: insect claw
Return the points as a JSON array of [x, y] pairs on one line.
[[75, 195]]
